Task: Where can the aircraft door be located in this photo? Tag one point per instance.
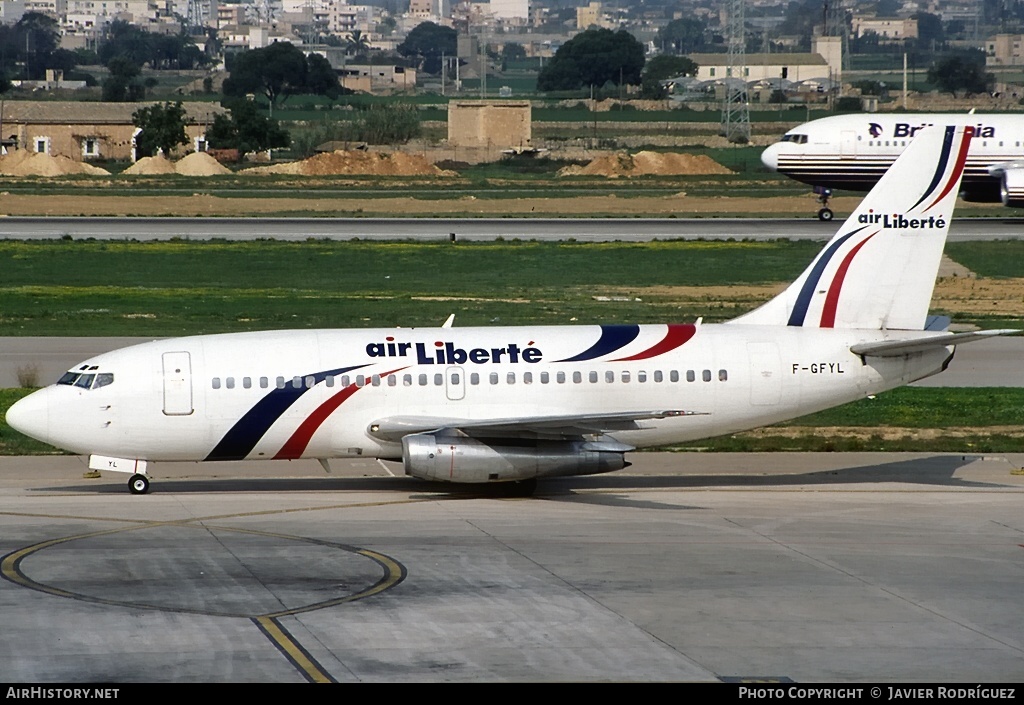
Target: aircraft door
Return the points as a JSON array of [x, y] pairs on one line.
[[177, 384], [848, 144], [455, 383], [765, 374]]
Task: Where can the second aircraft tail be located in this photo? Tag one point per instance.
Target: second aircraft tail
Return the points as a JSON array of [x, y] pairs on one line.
[[879, 270]]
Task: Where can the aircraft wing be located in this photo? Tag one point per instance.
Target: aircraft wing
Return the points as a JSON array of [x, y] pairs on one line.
[[559, 426], [899, 348]]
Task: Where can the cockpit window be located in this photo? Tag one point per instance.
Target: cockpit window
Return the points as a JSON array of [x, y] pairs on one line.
[[795, 138], [87, 381]]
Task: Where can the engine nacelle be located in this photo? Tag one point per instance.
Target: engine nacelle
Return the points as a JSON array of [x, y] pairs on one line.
[[461, 459], [1011, 190]]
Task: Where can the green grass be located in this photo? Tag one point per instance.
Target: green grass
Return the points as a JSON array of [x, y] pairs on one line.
[[66, 287]]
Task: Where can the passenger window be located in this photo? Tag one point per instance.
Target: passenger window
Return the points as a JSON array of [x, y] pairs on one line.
[[229, 383], [392, 380], [691, 376], [527, 378], [474, 378], [455, 378], [560, 377], [216, 382], [375, 380], [658, 376], [510, 378], [360, 381], [280, 382], [706, 375], [423, 380], [593, 377], [544, 379], [407, 380], [673, 376], [577, 377], [494, 378], [247, 382], [310, 381], [329, 381], [625, 377], [438, 380], [723, 375], [264, 382], [345, 381], [609, 376], [296, 382], [641, 376]]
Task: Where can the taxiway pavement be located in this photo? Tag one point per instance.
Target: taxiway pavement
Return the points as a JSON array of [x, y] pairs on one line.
[[686, 567]]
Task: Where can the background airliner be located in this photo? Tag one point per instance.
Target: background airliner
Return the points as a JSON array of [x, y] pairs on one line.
[[479, 405], [853, 151]]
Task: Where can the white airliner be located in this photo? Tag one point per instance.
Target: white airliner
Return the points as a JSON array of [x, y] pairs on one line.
[[853, 151], [477, 405]]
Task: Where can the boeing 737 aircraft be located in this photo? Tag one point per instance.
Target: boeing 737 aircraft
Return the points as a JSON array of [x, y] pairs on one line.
[[477, 405], [853, 151]]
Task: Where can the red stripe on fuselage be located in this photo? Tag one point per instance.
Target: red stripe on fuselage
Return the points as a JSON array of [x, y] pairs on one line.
[[678, 333], [295, 446]]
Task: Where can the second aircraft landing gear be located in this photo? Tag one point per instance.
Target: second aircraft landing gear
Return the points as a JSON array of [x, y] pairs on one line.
[[823, 194]]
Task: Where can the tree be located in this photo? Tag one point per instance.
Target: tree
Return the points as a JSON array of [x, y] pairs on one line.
[[123, 85], [594, 58], [684, 36], [321, 78], [661, 68], [246, 129], [427, 42], [356, 43], [276, 71], [961, 72], [163, 128]]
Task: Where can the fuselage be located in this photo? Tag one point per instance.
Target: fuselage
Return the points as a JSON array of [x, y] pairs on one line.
[[320, 394], [853, 151]]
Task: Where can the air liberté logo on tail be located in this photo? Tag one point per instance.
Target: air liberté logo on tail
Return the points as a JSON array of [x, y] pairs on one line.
[[445, 353], [901, 221]]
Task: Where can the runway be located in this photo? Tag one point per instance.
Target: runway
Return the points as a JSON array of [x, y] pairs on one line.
[[582, 229], [687, 567]]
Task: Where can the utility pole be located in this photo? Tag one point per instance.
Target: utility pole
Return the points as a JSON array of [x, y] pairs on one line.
[[735, 111]]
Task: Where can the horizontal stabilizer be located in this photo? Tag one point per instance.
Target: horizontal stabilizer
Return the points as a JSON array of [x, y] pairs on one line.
[[899, 348], [396, 427]]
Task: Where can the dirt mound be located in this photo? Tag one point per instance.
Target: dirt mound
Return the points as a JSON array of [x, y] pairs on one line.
[[24, 163], [354, 162], [200, 164], [151, 165], [647, 163]]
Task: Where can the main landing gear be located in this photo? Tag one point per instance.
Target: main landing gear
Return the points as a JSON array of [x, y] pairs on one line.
[[824, 213], [138, 484]]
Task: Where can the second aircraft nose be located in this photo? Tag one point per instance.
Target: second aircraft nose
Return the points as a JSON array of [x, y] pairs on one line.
[[770, 157]]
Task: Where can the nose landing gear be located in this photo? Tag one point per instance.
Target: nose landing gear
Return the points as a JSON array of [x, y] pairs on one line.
[[823, 194]]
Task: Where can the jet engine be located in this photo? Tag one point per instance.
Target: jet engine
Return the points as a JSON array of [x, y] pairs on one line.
[[463, 459], [1011, 189]]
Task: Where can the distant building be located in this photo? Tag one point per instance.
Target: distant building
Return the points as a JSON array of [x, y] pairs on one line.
[[1004, 50], [889, 29], [489, 124], [792, 67], [85, 131], [377, 79]]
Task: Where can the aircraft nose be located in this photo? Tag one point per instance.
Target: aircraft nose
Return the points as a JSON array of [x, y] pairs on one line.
[[31, 416], [770, 157]]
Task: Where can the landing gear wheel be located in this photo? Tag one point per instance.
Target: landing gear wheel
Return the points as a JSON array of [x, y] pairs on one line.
[[524, 488], [825, 214], [138, 484]]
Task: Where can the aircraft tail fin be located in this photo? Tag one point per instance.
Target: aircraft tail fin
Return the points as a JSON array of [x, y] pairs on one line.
[[879, 270]]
